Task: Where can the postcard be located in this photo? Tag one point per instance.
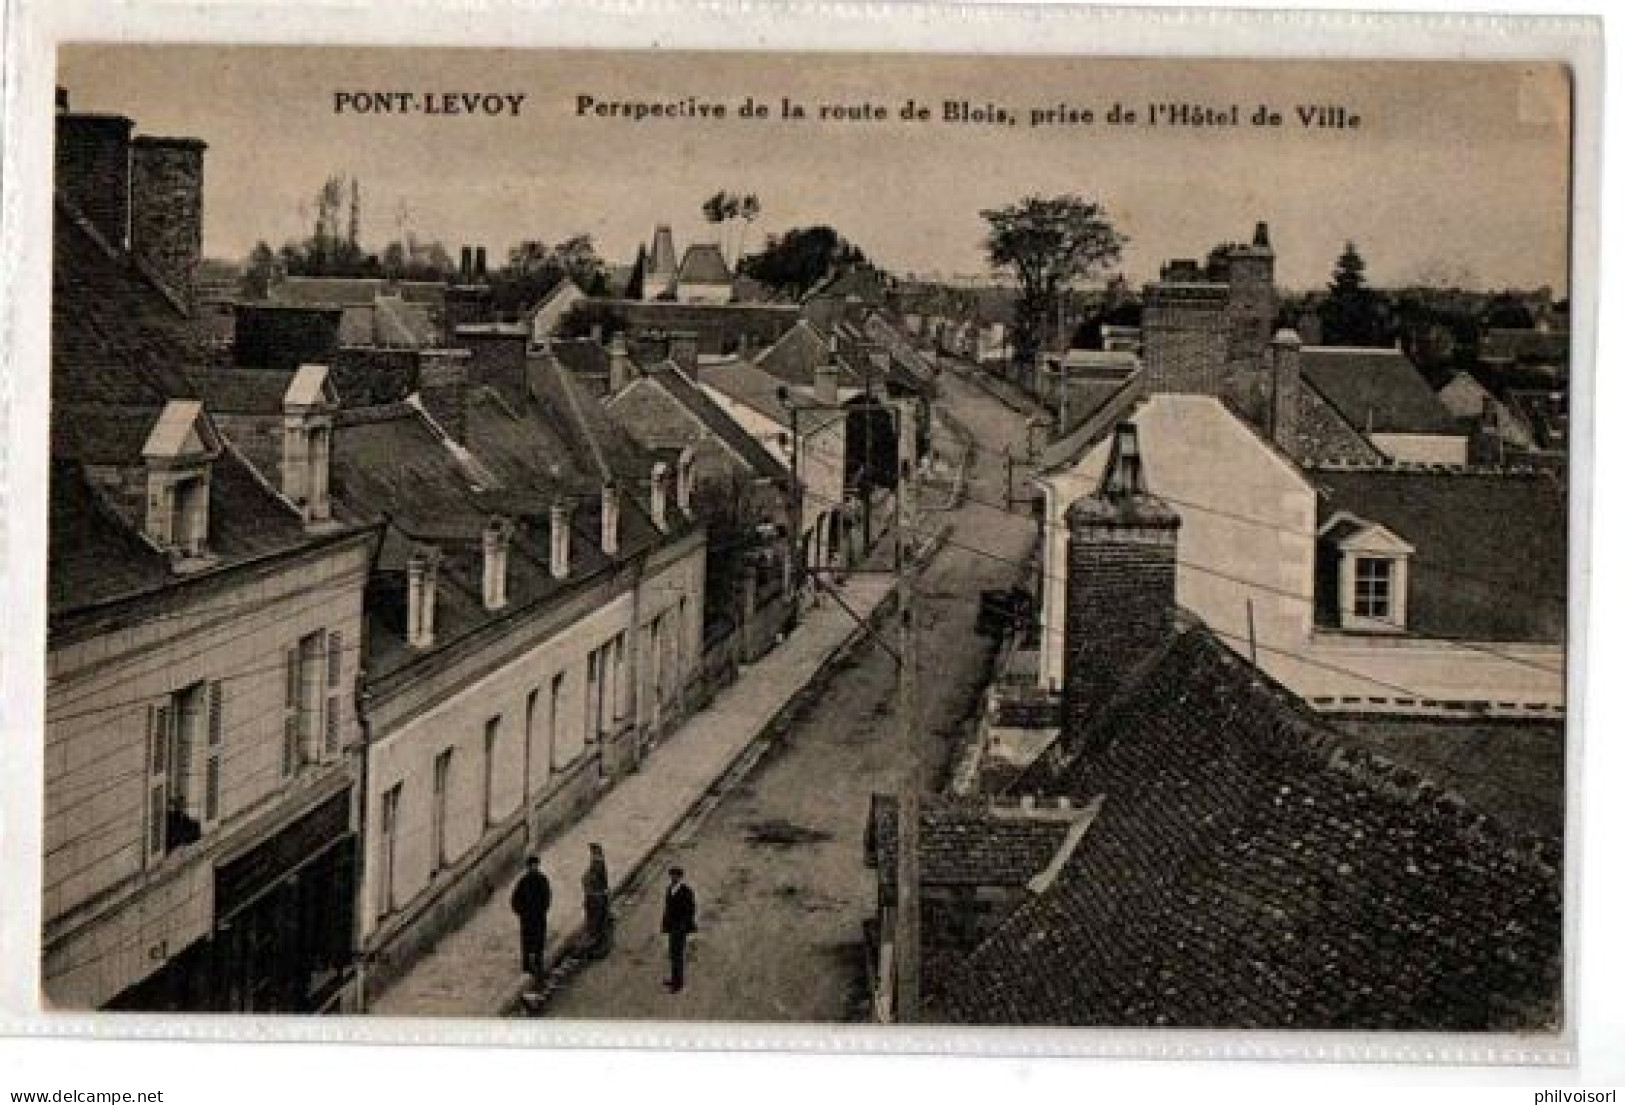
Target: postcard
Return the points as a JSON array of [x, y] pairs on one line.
[[932, 540]]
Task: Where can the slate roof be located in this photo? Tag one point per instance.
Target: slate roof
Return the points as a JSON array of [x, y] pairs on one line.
[[120, 351], [749, 385], [965, 842], [1491, 560], [388, 461], [796, 357], [356, 291], [703, 263], [686, 392], [1245, 870], [1376, 390]]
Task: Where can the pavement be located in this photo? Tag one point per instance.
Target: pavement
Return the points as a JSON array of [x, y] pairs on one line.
[[474, 970]]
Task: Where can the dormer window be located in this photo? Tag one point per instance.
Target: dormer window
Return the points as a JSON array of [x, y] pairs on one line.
[[180, 453], [1372, 573], [307, 442]]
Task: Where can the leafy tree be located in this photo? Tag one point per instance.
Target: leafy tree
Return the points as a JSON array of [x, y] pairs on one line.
[[1047, 243], [534, 269], [1352, 313], [792, 263], [736, 513], [260, 271]]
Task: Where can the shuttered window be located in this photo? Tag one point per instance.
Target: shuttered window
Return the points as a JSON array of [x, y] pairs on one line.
[[290, 716], [211, 763], [159, 720]]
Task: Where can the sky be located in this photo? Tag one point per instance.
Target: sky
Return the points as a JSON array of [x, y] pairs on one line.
[[1458, 172]]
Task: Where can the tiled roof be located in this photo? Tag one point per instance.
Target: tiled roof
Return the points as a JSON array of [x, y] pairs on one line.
[[796, 357], [244, 390], [389, 461], [748, 385], [1376, 390], [356, 291], [1247, 871], [121, 351], [1491, 560], [704, 264], [964, 842], [684, 391]]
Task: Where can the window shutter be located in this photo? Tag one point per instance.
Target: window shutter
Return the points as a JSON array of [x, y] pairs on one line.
[[290, 746], [157, 779], [290, 718], [211, 766], [330, 734], [335, 656]]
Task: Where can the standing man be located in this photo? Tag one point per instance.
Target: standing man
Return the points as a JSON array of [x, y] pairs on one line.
[[531, 897], [595, 897], [677, 922]]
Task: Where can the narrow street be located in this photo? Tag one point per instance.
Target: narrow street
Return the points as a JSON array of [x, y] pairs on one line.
[[777, 865]]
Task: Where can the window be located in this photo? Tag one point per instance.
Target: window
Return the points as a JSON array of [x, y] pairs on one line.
[[594, 698], [442, 795], [1373, 588], [191, 517], [331, 741], [389, 826], [555, 696], [619, 681], [308, 733], [530, 734], [184, 739], [493, 729]]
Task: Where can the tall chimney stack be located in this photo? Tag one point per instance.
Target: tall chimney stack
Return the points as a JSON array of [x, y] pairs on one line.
[[465, 269], [422, 573], [93, 171], [609, 518], [622, 369], [1122, 552], [494, 541], [1285, 350], [166, 210], [558, 561]]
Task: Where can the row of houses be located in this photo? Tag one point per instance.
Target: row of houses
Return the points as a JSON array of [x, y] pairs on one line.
[[325, 654], [1208, 787], [357, 592]]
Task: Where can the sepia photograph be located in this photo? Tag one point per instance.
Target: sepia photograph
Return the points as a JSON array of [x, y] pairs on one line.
[[878, 539]]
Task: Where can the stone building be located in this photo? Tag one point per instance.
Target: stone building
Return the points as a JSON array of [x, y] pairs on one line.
[[205, 627], [1241, 864]]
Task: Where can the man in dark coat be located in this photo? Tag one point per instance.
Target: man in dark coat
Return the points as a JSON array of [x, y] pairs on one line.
[[677, 922], [531, 897], [595, 897]]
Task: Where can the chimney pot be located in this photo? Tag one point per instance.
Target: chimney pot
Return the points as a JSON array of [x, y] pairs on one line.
[[479, 262], [1285, 375], [494, 543], [559, 539], [465, 269], [422, 571]]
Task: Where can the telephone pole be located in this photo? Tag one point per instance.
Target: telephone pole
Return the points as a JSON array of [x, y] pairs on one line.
[[907, 932]]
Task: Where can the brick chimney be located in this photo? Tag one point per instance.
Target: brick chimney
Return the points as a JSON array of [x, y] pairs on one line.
[[479, 264], [558, 560], [622, 369], [494, 542], [93, 171], [443, 389], [422, 573], [685, 482], [1122, 550], [166, 210], [684, 350], [609, 519], [465, 266], [1285, 349]]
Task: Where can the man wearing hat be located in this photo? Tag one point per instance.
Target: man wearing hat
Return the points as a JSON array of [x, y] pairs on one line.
[[531, 897]]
